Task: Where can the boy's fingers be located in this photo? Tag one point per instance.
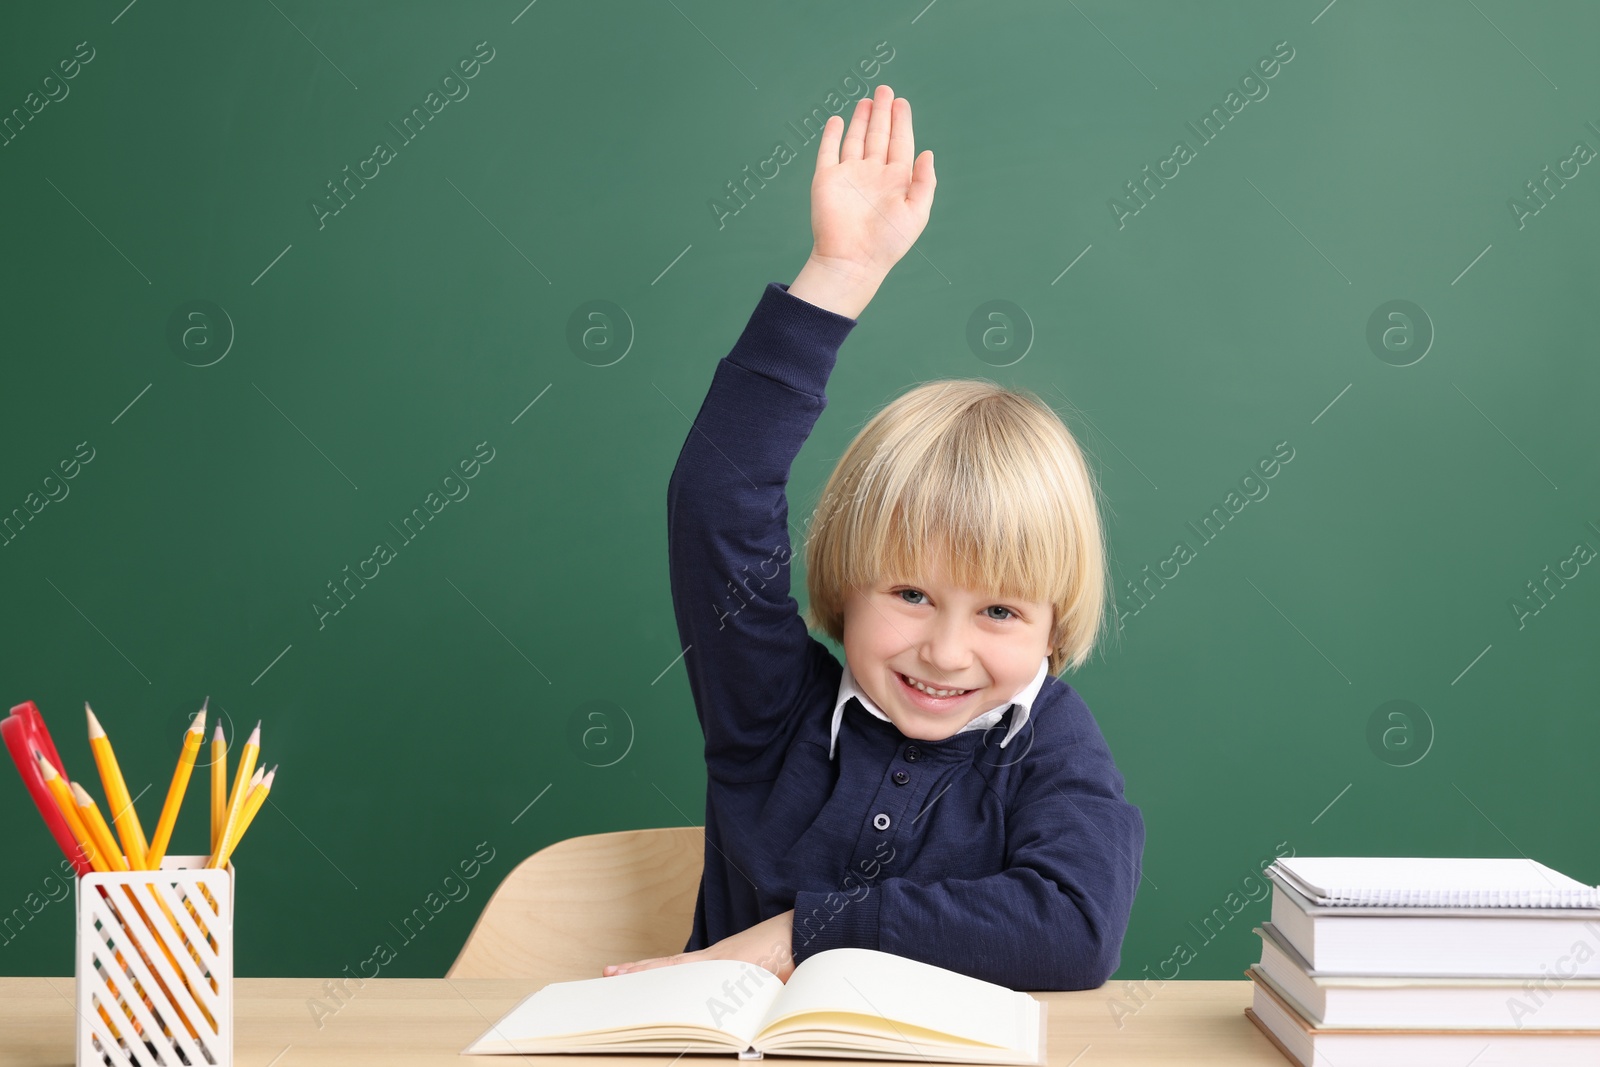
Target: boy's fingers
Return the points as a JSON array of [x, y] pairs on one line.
[[901, 145], [653, 963], [923, 180], [857, 133], [828, 144], [878, 127]]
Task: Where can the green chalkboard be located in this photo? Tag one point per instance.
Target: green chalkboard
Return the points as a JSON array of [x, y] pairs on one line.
[[286, 282]]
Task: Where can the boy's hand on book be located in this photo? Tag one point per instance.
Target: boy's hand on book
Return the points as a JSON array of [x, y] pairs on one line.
[[767, 944], [870, 194]]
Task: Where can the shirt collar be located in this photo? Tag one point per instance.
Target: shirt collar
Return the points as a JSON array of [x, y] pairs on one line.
[[1023, 701]]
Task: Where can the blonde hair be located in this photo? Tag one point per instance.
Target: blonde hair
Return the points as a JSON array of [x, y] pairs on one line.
[[988, 476]]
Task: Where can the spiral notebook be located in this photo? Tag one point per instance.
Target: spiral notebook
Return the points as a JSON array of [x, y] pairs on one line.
[[1410, 881]]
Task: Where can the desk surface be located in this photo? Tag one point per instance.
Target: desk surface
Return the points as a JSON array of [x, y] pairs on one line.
[[411, 1022]]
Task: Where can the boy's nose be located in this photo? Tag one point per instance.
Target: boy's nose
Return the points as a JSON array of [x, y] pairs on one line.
[[944, 663]]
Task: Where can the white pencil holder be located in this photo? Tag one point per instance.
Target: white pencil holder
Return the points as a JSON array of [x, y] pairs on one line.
[[154, 966]]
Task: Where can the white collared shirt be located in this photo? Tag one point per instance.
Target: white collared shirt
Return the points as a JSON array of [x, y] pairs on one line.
[[1023, 700]]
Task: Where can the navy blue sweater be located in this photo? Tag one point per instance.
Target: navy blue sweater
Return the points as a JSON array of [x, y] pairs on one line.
[[1016, 866]]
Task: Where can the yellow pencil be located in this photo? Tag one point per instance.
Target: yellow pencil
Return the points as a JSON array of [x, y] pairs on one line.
[[96, 824], [219, 784], [230, 829], [69, 811], [68, 807], [180, 782], [258, 796], [89, 826], [122, 813], [242, 772], [236, 829], [253, 802], [241, 783]]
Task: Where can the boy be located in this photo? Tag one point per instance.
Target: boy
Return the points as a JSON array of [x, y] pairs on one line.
[[941, 795]]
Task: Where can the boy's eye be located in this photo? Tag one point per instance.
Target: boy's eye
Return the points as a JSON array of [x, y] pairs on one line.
[[914, 592], [1000, 618]]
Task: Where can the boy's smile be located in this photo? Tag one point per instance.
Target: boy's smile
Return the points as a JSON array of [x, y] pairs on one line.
[[942, 699], [901, 640]]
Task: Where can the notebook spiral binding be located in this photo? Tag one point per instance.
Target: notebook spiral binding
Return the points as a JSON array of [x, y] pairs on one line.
[[1467, 898]]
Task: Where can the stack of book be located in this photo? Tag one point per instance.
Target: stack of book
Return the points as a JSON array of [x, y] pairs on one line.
[[1419, 962]]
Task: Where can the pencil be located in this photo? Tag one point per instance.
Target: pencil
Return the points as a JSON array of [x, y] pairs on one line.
[[122, 813], [96, 823], [258, 796], [219, 783], [242, 773], [69, 811], [252, 803], [242, 780], [180, 782], [230, 829]]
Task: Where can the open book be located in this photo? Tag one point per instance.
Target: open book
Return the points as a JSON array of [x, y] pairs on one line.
[[854, 1003]]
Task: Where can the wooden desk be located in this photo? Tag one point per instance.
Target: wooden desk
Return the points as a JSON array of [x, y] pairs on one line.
[[411, 1022]]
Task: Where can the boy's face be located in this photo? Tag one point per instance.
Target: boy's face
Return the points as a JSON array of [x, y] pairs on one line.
[[946, 638]]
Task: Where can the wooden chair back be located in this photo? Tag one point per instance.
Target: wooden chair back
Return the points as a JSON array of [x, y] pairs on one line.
[[576, 905]]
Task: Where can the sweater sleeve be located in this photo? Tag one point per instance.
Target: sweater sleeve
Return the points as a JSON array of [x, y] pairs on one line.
[[748, 654], [1053, 918]]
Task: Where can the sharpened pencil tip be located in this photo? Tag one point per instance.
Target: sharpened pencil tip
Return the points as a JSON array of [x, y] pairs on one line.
[[199, 726], [95, 729], [218, 735], [204, 704]]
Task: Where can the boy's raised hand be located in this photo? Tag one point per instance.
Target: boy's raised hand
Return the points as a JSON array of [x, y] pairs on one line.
[[870, 199]]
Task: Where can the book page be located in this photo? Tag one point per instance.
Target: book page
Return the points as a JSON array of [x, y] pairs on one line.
[[726, 995], [894, 990]]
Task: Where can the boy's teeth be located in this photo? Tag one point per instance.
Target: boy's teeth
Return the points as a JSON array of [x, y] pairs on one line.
[[932, 692]]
